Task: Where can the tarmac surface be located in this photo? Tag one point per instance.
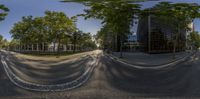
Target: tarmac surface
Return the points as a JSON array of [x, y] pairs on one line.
[[112, 80]]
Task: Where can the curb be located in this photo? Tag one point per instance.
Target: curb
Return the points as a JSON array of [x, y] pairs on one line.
[[152, 67], [57, 87]]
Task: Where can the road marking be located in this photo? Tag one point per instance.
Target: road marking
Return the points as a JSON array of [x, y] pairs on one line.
[[150, 68], [57, 87]]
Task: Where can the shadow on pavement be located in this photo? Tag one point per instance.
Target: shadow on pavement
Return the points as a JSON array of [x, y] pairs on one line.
[[7, 88], [172, 81], [44, 74]]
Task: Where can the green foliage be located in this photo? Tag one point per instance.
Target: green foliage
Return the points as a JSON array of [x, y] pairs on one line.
[[3, 43], [23, 30], [58, 25], [50, 28], [3, 12], [194, 38], [54, 27], [177, 16], [117, 15], [86, 40], [1, 37], [100, 1], [104, 37]]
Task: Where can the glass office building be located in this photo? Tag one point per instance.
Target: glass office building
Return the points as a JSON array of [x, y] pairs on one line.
[[155, 37]]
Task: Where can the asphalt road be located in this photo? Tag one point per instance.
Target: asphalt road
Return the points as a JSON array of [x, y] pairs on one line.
[[111, 80], [41, 72]]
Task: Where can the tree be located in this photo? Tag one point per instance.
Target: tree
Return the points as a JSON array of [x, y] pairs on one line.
[[13, 44], [3, 12], [4, 44], [194, 39], [105, 38], [76, 35], [90, 1], [1, 39], [23, 31], [59, 25], [53, 27], [39, 30], [177, 16], [117, 15], [87, 41]]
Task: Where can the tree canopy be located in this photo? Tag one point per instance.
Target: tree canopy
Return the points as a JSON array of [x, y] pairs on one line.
[[116, 15], [54, 27], [194, 39], [3, 12], [177, 16], [3, 42]]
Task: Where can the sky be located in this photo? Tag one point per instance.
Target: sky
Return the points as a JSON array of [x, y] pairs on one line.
[[19, 8]]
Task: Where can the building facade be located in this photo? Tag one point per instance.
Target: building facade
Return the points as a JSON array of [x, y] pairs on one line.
[[152, 36]]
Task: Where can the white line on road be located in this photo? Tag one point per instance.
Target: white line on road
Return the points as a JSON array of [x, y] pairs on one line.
[[57, 87]]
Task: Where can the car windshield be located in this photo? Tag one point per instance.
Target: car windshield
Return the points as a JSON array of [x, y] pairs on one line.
[[99, 49]]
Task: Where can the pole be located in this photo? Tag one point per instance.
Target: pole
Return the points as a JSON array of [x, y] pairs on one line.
[[149, 33]]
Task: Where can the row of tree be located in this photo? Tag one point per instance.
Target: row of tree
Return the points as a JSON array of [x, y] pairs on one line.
[[3, 42], [194, 39], [54, 27], [3, 13], [118, 17]]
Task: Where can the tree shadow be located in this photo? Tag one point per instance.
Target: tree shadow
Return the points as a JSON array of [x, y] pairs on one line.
[[173, 81], [56, 74], [7, 88]]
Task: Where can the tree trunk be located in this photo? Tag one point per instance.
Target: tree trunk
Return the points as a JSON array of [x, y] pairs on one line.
[[74, 49], [118, 43], [43, 47], [20, 46], [121, 55], [32, 47], [54, 46], [58, 49], [174, 49], [37, 47], [121, 43], [175, 43]]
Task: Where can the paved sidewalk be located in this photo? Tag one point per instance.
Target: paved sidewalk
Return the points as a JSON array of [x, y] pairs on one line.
[[145, 59], [50, 59]]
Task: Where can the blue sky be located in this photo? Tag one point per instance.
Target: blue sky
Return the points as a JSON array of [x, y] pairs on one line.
[[19, 8]]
